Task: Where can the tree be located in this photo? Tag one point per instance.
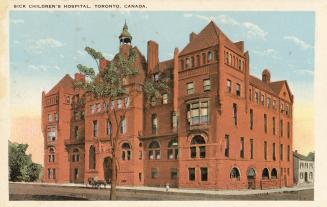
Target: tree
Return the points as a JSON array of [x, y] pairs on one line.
[[108, 85], [21, 167]]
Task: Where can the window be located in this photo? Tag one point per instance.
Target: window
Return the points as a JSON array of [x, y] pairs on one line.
[[52, 173], [265, 122], [281, 107], [154, 173], [154, 150], [281, 151], [274, 125], [173, 173], [198, 60], [238, 89], [98, 106], [92, 158], [52, 155], [274, 173], [210, 56], [154, 119], [226, 145], [192, 61], [174, 120], [204, 58], [235, 174], [123, 127], [112, 106], [75, 155], [288, 152], [198, 142], [190, 88], [156, 76], [188, 62], [50, 117], [109, 128], [229, 58], [263, 100], [165, 98], [281, 127], [56, 116], [242, 148], [235, 113], [286, 109], [274, 152], [250, 94], [268, 102], [173, 149], [52, 134], [229, 86], [251, 148], [204, 173], [265, 174], [95, 128], [251, 119], [265, 150], [197, 113], [126, 151], [206, 85], [153, 101], [140, 155], [256, 96], [288, 130], [76, 132], [191, 174]]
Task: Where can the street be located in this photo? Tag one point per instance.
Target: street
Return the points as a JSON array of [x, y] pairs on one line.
[[20, 191]]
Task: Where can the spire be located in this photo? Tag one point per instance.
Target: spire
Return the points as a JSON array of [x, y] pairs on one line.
[[125, 37]]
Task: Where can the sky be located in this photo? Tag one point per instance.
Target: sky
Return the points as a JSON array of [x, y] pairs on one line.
[[44, 46]]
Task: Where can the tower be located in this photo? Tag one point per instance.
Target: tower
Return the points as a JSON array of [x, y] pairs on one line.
[[125, 37]]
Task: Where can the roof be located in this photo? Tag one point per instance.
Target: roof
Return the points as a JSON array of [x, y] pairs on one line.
[[310, 156], [66, 82], [260, 84], [277, 86], [206, 38], [166, 64]]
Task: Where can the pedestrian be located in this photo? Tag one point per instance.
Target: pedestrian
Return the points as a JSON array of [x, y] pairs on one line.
[[167, 187]]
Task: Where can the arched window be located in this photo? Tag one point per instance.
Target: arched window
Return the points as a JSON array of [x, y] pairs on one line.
[[173, 149], [92, 158], [273, 173], [265, 174], [198, 144], [75, 155], [154, 150], [52, 155], [126, 151], [251, 173], [235, 174]]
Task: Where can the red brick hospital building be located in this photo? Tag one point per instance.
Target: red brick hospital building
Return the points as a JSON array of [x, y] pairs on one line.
[[217, 127]]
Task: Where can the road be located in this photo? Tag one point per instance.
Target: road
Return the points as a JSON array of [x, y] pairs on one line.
[[19, 191]]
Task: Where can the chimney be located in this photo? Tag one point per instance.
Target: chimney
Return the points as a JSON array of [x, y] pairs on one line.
[[192, 36], [266, 76], [240, 45], [79, 77], [153, 56]]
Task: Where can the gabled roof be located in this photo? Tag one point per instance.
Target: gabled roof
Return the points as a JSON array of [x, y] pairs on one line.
[[310, 157], [261, 85], [66, 82], [277, 86], [206, 38]]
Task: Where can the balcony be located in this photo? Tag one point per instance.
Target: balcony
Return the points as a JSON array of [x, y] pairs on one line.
[[74, 141]]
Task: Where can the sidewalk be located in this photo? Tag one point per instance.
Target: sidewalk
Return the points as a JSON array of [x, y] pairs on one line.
[[189, 191]]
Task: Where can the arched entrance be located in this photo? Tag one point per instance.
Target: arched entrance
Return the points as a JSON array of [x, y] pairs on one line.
[[107, 169], [251, 178]]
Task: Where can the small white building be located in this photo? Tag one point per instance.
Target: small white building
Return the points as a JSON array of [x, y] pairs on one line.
[[303, 168]]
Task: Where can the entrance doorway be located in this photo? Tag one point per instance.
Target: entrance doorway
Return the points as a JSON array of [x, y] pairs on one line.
[[107, 169], [251, 178]]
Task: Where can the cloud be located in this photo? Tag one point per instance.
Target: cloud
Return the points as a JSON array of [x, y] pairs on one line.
[[212, 18], [43, 67], [254, 30], [228, 20], [42, 44], [304, 72], [267, 53], [18, 21], [299, 42], [187, 15]]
